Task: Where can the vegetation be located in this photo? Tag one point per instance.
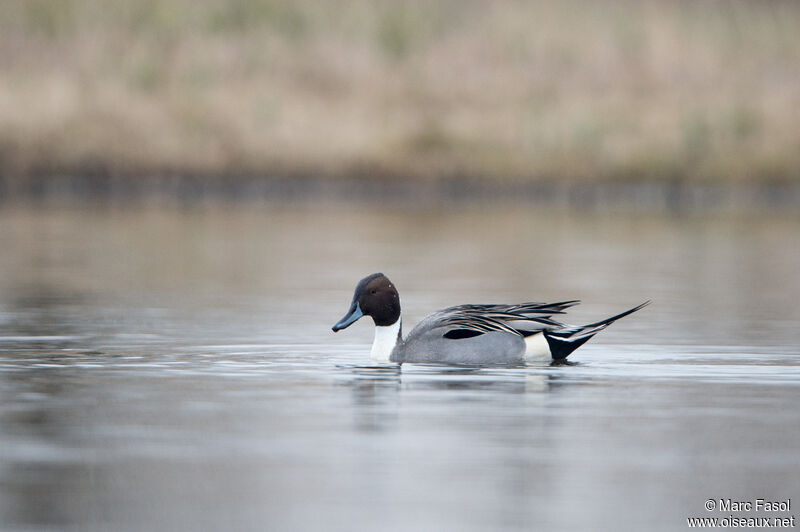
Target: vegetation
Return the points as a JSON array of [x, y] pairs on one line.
[[415, 89]]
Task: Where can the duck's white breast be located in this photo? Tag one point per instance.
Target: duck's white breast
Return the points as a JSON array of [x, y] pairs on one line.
[[385, 339]]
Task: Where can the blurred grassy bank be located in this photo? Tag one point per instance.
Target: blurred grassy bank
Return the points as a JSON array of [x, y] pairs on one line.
[[705, 91]]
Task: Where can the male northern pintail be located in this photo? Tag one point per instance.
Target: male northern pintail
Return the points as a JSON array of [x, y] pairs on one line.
[[468, 334]]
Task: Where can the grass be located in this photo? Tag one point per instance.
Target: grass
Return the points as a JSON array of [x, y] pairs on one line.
[[623, 89]]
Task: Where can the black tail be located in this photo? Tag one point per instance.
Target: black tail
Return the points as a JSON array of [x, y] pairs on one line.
[[561, 348], [562, 342]]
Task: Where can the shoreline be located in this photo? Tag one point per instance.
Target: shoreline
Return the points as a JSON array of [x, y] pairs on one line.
[[610, 91], [656, 196]]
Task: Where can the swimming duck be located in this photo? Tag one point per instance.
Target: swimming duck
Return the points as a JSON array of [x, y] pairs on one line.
[[468, 334]]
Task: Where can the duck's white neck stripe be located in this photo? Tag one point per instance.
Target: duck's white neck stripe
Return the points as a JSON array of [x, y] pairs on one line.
[[386, 339]]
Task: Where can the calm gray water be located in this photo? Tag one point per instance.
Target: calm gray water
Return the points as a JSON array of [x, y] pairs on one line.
[[174, 369]]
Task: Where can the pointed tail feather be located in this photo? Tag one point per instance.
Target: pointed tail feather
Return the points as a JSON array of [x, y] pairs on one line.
[[608, 321], [565, 341]]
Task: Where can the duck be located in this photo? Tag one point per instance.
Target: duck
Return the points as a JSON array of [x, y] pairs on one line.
[[471, 334]]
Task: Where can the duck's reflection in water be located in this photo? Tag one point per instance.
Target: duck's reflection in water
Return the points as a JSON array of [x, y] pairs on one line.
[[379, 393]]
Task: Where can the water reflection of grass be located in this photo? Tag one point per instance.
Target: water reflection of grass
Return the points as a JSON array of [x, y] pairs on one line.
[[584, 90]]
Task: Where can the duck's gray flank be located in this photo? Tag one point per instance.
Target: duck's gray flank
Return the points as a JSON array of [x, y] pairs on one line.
[[469, 334]]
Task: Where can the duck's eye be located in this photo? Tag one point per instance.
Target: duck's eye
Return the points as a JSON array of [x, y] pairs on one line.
[[373, 292]]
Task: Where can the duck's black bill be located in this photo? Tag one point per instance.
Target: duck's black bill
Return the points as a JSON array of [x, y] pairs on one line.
[[351, 317]]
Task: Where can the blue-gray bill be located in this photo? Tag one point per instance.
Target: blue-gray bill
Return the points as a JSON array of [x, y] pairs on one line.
[[351, 317]]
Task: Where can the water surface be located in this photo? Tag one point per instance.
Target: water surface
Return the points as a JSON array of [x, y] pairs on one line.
[[174, 369]]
